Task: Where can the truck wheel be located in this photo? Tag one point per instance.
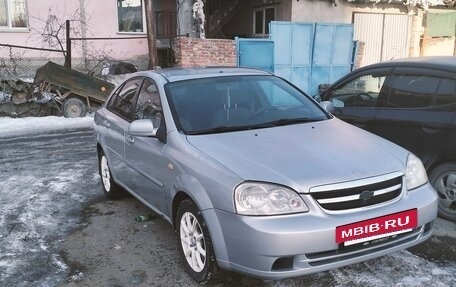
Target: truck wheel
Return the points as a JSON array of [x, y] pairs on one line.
[[443, 179], [74, 108]]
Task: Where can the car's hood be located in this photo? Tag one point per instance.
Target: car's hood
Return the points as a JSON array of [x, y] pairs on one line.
[[304, 155]]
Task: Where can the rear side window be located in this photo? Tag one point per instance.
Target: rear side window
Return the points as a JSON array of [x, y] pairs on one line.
[[414, 91], [123, 100]]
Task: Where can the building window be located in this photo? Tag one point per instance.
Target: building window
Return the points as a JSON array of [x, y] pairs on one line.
[[130, 14], [13, 14], [261, 19]]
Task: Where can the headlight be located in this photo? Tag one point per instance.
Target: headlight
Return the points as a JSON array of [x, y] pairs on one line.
[[415, 174], [254, 198]]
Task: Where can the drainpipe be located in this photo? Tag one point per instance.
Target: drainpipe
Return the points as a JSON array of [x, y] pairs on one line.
[[83, 23]]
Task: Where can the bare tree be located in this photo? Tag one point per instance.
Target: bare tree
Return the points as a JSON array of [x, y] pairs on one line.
[[52, 32]]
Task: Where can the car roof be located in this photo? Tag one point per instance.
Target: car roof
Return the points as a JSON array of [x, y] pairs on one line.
[[447, 63], [187, 73]]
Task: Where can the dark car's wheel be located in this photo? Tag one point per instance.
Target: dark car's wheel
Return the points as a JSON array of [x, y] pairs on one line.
[[74, 108], [110, 187], [194, 242], [443, 179]]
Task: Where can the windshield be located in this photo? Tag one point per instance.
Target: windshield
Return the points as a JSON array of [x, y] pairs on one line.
[[232, 103]]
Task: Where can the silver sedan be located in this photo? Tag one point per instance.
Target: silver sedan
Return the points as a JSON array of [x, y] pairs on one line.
[[255, 176]]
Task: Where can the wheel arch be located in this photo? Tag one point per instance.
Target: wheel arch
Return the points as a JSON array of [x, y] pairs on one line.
[[199, 196], [431, 167]]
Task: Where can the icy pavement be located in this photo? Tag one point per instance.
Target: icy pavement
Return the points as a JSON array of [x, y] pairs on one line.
[[32, 126], [48, 175], [44, 184]]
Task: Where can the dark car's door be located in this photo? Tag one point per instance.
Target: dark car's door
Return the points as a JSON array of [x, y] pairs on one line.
[[419, 111], [144, 154], [357, 97], [115, 123]]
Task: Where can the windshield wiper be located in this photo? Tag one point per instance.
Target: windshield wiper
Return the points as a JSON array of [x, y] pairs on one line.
[[286, 121], [219, 129], [279, 122]]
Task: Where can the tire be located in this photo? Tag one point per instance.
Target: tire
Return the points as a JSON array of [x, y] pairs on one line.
[[74, 108], [194, 242], [110, 188], [443, 179]]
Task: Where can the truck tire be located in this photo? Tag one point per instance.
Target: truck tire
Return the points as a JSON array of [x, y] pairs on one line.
[[74, 108]]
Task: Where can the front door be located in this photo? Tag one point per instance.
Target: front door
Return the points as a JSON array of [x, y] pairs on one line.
[[144, 154], [356, 99]]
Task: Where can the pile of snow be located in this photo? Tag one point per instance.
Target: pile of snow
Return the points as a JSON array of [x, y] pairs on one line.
[[19, 127]]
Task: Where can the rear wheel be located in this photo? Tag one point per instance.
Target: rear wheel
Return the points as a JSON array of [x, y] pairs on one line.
[[74, 108], [110, 187], [443, 179], [194, 242]]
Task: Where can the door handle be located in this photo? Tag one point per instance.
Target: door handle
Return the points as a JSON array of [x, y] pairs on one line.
[[359, 123], [431, 128], [130, 139], [106, 123]]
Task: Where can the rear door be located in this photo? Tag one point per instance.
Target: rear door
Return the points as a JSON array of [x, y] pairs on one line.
[[356, 99], [419, 111]]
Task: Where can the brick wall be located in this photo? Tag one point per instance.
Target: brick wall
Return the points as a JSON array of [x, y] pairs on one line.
[[191, 52]]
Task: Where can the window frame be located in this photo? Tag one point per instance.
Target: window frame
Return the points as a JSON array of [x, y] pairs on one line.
[[263, 9], [110, 105], [383, 93], [426, 72], [138, 94], [9, 25], [143, 16]]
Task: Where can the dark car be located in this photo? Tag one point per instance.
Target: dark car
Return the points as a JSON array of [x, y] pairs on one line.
[[411, 102]]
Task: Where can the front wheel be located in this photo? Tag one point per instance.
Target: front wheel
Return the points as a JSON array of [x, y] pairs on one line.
[[194, 242], [443, 179]]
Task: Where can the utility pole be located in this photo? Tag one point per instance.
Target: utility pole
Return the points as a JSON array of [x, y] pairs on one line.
[[150, 23]]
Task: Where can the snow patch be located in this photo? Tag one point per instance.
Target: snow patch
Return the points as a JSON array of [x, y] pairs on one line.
[[16, 127]]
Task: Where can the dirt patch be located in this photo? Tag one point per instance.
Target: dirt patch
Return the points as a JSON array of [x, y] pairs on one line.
[[28, 109]]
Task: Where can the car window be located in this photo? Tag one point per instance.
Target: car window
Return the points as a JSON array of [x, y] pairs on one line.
[[148, 105], [415, 91], [123, 100], [276, 95], [243, 102], [360, 92]]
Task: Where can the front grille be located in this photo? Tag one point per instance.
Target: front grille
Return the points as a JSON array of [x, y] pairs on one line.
[[337, 199], [345, 253]]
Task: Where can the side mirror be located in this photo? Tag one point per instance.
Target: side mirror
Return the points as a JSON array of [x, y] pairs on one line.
[[142, 128], [328, 106], [317, 98]]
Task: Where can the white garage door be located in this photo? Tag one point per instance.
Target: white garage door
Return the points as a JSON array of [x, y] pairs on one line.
[[386, 36]]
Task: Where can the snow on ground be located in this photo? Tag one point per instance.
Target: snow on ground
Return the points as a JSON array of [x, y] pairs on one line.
[[19, 127], [44, 184]]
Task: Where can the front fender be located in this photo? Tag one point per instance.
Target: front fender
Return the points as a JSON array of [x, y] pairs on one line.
[[195, 190]]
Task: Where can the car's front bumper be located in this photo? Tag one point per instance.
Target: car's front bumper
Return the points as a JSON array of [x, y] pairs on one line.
[[276, 247]]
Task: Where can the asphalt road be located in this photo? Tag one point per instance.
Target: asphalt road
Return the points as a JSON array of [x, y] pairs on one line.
[[56, 229]]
